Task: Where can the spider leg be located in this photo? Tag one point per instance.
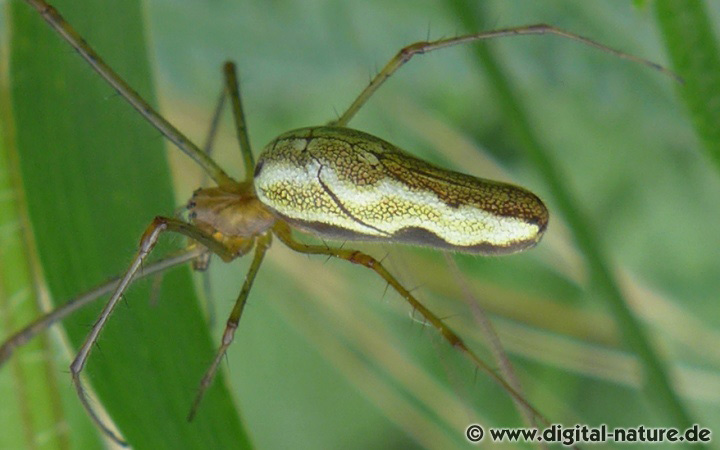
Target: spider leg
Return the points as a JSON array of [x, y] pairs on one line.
[[263, 244], [233, 90], [158, 226], [68, 33], [282, 230], [45, 321], [406, 53]]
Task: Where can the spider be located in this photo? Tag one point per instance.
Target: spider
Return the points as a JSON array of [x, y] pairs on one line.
[[237, 217]]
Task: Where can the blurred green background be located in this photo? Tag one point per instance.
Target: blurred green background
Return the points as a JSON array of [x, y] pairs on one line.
[[324, 357]]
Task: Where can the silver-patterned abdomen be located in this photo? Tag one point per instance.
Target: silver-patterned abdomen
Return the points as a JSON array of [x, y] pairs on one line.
[[340, 183]]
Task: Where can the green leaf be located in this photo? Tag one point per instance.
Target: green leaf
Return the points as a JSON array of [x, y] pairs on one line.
[[33, 410], [94, 176], [692, 45]]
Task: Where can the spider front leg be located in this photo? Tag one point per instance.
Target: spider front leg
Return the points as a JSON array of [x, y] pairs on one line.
[[158, 226], [68, 33], [283, 232]]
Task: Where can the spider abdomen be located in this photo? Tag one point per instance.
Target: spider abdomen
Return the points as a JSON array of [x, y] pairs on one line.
[[341, 183]]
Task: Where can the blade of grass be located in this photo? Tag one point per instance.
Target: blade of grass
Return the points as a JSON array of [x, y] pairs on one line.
[[95, 175], [32, 412], [694, 53], [658, 387]]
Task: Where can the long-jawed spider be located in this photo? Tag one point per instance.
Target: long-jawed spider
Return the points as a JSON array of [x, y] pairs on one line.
[[503, 218]]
